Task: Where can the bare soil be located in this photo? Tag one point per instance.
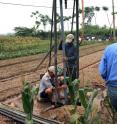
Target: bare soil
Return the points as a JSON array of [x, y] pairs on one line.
[[11, 77], [63, 113], [12, 86]]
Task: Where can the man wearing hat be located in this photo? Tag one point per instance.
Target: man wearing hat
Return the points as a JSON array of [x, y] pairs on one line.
[[70, 56], [47, 86]]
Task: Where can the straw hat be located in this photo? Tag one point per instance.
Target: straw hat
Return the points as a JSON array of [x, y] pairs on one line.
[[51, 69], [69, 38]]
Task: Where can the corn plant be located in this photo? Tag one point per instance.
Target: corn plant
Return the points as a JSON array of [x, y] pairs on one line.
[[28, 94], [73, 88], [109, 106], [78, 93], [59, 70], [87, 104]]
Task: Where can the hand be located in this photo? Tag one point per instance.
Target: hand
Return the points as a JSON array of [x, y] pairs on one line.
[[64, 86], [61, 78], [48, 90], [65, 59]]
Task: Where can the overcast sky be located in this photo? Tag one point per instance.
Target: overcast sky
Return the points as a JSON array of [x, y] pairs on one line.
[[13, 16]]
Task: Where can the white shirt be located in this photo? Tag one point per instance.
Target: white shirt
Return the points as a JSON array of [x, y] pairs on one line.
[[45, 83]]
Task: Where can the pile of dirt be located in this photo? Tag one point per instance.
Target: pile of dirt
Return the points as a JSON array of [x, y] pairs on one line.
[[63, 113]]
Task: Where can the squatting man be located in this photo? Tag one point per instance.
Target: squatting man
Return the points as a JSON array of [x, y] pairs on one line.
[[47, 90]]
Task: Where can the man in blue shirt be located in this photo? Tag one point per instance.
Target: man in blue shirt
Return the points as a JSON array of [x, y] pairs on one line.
[[108, 71]]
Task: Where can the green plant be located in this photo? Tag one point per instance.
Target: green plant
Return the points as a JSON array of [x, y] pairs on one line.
[[82, 97], [110, 108], [28, 94], [74, 119], [59, 70], [73, 89], [12, 47], [85, 102]]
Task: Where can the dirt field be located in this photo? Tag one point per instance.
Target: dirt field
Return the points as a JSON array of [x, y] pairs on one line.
[[11, 77], [13, 71]]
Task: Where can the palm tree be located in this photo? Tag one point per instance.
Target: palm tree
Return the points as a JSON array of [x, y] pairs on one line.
[[37, 20], [88, 14], [58, 21], [44, 19], [97, 9], [106, 9], [66, 19]]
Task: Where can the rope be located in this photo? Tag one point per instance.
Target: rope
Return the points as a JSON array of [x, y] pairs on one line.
[[43, 59]]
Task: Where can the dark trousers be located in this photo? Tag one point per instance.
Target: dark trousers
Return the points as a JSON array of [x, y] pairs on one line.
[[71, 72], [44, 95], [112, 92]]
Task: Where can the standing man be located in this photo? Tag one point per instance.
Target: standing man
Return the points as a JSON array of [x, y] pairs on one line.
[[108, 71], [70, 56]]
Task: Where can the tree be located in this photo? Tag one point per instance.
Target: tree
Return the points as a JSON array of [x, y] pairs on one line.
[[44, 19], [97, 9], [24, 31], [88, 14], [66, 19], [37, 20], [106, 9], [80, 11]]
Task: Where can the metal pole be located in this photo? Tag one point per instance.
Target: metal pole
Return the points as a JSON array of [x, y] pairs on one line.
[[55, 49], [82, 18], [63, 46], [51, 36], [55, 40], [73, 16], [114, 33], [77, 35]]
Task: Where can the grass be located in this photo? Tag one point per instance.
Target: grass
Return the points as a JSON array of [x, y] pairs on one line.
[[12, 47], [84, 43]]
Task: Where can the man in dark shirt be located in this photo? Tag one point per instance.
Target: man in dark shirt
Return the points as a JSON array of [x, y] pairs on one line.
[[70, 56]]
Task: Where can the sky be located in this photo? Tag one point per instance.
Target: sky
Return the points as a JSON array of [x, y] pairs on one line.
[[13, 15]]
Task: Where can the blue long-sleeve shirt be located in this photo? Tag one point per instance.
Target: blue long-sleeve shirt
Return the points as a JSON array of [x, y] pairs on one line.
[[108, 65]]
